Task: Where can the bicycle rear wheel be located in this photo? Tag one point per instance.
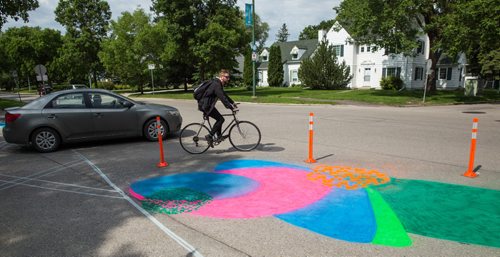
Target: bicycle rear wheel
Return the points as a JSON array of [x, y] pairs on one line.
[[244, 136], [192, 138]]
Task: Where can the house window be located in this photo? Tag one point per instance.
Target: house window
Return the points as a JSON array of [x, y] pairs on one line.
[[445, 73], [367, 49], [420, 47], [294, 76], [339, 50], [264, 58], [391, 71], [367, 74], [295, 53], [362, 49], [419, 73], [260, 77]]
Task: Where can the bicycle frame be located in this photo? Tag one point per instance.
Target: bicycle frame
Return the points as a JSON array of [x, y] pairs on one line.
[[233, 121]]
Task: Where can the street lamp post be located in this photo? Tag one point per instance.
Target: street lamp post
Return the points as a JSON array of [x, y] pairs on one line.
[[253, 47]]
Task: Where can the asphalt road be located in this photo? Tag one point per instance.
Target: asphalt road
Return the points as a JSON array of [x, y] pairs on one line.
[[58, 204]]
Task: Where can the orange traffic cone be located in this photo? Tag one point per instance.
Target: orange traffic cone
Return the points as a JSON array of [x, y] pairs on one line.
[[470, 171], [162, 162]]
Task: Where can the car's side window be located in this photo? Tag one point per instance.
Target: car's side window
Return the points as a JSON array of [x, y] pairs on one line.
[[105, 101], [68, 101]]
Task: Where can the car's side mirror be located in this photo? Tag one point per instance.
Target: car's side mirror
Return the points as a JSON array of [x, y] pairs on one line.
[[126, 104]]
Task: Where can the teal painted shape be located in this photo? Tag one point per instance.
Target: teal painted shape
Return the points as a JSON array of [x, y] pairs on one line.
[[446, 211], [217, 185]]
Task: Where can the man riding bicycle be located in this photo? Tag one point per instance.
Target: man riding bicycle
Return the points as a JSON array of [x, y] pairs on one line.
[[214, 92]]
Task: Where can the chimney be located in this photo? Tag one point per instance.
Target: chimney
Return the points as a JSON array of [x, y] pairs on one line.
[[321, 35]]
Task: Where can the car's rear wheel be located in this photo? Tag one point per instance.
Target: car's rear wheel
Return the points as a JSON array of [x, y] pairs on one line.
[[150, 130], [45, 140]]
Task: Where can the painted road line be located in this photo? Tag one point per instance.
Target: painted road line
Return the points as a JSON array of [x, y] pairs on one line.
[[39, 174], [192, 251], [59, 183], [69, 191]]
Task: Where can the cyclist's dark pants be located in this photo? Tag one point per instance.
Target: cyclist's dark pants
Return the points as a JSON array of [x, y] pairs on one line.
[[217, 128]]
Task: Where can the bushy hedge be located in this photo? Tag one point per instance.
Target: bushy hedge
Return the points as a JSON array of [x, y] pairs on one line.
[[391, 83]]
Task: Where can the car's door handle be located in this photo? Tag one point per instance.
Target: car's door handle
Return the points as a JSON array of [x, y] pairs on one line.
[[51, 116], [98, 114]]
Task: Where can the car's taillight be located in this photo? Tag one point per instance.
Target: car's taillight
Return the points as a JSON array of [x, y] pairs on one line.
[[11, 117]]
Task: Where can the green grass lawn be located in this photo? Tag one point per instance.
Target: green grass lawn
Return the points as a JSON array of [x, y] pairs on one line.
[[308, 96], [6, 103]]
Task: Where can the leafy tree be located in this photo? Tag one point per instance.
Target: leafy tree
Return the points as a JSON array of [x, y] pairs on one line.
[[203, 36], [275, 67], [395, 25], [182, 23], [311, 31], [86, 23], [322, 70], [248, 69], [25, 47], [16, 9], [126, 53], [222, 39], [472, 27], [283, 34], [261, 33]]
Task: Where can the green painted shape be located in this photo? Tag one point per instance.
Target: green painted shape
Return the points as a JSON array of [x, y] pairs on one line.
[[446, 211], [390, 231], [175, 201]]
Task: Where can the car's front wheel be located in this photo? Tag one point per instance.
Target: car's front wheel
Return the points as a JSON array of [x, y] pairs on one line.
[[45, 140], [150, 130]]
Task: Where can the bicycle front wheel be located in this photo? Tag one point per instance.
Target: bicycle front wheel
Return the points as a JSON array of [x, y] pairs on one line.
[[192, 138], [244, 136]]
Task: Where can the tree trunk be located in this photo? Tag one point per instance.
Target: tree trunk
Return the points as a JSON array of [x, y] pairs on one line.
[[185, 84], [434, 57], [95, 78]]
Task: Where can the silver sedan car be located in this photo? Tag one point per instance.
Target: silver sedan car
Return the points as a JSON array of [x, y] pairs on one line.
[[83, 115]]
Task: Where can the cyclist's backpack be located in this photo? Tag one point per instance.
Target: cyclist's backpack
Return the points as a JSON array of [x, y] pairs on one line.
[[201, 89]]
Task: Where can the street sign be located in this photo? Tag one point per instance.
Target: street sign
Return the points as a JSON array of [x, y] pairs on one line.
[[254, 56], [151, 66], [40, 69], [44, 77]]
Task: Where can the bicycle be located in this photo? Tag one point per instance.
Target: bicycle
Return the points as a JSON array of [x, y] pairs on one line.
[[243, 135]]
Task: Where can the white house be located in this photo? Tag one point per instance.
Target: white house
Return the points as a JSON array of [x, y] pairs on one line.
[[368, 65], [292, 54]]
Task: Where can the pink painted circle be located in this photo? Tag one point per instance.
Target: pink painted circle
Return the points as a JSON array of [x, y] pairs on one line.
[[280, 190]]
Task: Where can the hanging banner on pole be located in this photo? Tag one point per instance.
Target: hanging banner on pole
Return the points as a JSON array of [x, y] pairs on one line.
[[248, 15]]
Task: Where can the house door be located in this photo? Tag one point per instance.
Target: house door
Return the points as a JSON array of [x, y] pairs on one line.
[[367, 75]]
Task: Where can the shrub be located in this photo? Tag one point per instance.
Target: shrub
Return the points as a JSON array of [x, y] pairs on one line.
[[391, 83], [106, 85]]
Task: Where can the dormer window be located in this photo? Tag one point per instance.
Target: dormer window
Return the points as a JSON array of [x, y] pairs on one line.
[[420, 47], [264, 56], [295, 53]]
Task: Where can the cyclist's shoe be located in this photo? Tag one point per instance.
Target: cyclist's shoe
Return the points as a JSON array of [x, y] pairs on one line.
[[224, 137], [210, 140]]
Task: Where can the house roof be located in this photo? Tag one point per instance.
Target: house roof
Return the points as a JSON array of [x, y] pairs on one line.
[[308, 45]]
